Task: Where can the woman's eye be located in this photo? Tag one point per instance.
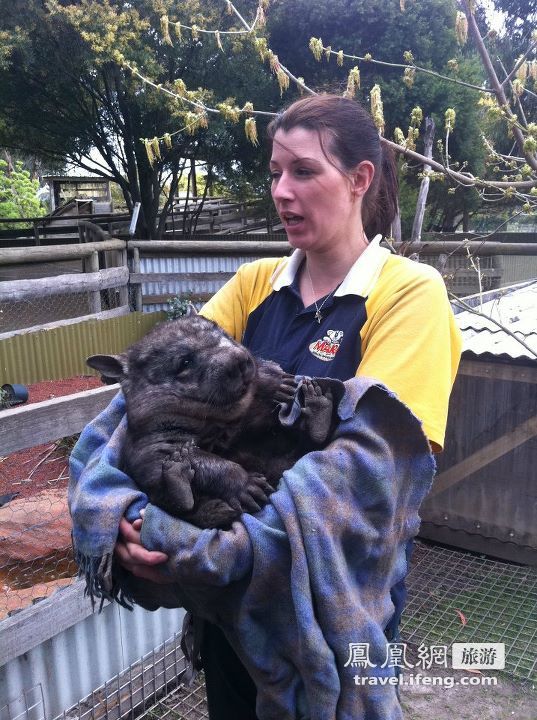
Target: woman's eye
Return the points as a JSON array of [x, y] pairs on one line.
[[274, 175], [303, 172]]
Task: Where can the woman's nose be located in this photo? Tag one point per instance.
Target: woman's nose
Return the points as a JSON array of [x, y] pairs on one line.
[[282, 188]]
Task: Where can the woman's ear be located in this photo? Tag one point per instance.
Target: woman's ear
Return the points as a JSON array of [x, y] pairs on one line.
[[362, 177]]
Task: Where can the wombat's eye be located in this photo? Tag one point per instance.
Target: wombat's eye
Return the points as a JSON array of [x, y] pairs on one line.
[[184, 363]]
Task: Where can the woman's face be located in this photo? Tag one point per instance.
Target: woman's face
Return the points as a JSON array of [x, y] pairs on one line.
[[313, 197]]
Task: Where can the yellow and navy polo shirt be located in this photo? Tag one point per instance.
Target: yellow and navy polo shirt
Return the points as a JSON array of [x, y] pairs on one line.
[[389, 319]]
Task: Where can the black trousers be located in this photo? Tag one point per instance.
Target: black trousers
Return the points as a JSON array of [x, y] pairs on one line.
[[231, 692]]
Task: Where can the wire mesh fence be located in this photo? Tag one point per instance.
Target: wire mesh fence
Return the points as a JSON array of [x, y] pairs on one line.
[[35, 530], [42, 309], [460, 597], [141, 687]]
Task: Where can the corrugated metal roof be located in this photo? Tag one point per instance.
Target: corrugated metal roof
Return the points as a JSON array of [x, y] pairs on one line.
[[514, 307]]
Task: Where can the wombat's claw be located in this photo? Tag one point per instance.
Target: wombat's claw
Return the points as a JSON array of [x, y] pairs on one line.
[[256, 493], [249, 505], [287, 389], [216, 513]]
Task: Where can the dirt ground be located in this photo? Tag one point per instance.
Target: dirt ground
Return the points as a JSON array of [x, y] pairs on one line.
[[507, 700], [30, 471]]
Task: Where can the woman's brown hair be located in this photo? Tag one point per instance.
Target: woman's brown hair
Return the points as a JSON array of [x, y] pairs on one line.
[[352, 137]]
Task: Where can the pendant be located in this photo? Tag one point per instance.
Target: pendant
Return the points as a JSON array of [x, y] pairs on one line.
[[318, 316]]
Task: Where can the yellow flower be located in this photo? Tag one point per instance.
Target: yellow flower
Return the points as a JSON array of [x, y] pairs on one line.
[[149, 152], [180, 87], [283, 80], [261, 19], [155, 147], [328, 52], [518, 87], [273, 62], [408, 57], [416, 116], [229, 112], [195, 32], [250, 129], [167, 141], [299, 84], [261, 47], [340, 58], [377, 109], [399, 137], [248, 107], [218, 41], [449, 116], [316, 47], [461, 27], [353, 82], [408, 76], [165, 30], [178, 31]]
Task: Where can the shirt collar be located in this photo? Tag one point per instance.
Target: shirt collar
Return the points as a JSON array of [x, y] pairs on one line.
[[360, 279]]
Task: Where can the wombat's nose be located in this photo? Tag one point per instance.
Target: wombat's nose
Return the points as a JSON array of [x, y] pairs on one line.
[[242, 367]]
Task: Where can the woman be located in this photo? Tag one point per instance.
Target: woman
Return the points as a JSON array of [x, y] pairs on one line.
[[340, 306]]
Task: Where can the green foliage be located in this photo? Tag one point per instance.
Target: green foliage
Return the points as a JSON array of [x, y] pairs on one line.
[[18, 194], [66, 88], [179, 304], [4, 398], [424, 33]]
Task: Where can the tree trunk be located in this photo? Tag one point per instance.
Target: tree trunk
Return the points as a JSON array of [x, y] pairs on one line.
[[194, 179], [424, 187]]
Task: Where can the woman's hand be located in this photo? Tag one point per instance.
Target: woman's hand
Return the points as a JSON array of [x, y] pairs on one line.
[[132, 555]]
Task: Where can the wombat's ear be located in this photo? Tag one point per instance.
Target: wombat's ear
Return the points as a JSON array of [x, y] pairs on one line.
[[110, 366], [190, 310]]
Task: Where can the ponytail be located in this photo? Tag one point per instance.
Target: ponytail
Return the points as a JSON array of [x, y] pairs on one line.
[[381, 207]]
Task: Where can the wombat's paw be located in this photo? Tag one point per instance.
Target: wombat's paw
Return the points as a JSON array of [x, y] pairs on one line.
[[215, 514], [256, 493], [286, 392], [177, 476], [317, 411]]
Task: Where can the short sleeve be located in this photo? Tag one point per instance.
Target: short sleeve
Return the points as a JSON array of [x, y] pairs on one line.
[[412, 344]]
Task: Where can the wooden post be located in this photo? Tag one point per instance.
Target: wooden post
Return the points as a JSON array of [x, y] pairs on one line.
[[95, 295], [124, 289], [138, 286]]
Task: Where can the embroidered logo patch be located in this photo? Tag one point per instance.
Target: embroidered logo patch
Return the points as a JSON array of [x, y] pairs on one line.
[[326, 348]]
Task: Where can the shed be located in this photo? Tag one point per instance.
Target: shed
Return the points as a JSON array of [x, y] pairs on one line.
[[66, 188], [484, 497]]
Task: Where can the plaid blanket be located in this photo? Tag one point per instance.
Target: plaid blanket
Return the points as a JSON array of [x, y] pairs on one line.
[[301, 589]]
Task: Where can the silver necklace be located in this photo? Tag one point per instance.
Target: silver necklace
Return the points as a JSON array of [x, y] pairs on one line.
[[318, 308]]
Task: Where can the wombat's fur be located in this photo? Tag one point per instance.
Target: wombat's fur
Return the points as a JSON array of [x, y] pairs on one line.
[[204, 440]]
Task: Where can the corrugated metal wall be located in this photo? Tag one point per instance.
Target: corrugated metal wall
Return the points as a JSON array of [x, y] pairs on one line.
[[73, 663], [180, 265], [496, 504], [61, 352]]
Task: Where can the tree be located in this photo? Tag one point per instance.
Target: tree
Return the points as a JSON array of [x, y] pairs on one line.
[[18, 192], [67, 89], [127, 75]]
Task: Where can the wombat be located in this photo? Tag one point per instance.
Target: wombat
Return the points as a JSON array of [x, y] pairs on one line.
[[204, 440]]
